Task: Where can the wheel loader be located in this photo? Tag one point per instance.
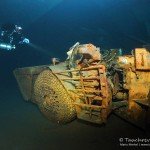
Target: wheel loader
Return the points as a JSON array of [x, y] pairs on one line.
[[90, 85]]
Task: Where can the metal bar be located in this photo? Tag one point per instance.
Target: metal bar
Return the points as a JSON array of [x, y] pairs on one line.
[[89, 106], [88, 95], [87, 78], [83, 69], [84, 90]]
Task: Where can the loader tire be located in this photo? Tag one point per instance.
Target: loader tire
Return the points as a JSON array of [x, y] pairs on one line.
[[53, 99]]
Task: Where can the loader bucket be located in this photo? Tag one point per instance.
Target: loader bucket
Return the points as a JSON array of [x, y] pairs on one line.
[[42, 86], [25, 78]]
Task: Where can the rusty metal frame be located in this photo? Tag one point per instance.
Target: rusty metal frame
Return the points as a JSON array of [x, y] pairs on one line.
[[101, 93]]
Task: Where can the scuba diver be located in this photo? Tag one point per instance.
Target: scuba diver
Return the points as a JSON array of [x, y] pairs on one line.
[[10, 36]]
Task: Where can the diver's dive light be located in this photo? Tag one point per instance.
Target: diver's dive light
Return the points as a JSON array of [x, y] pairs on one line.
[[7, 46]]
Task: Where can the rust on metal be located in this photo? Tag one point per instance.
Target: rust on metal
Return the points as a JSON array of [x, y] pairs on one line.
[[90, 85]]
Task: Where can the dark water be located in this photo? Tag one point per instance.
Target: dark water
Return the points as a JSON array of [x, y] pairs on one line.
[[23, 127], [53, 27]]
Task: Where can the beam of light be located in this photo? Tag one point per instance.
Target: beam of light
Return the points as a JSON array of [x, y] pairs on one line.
[[39, 49]]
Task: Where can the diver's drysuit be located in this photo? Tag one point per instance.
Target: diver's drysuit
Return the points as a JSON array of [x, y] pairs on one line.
[[10, 36]]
